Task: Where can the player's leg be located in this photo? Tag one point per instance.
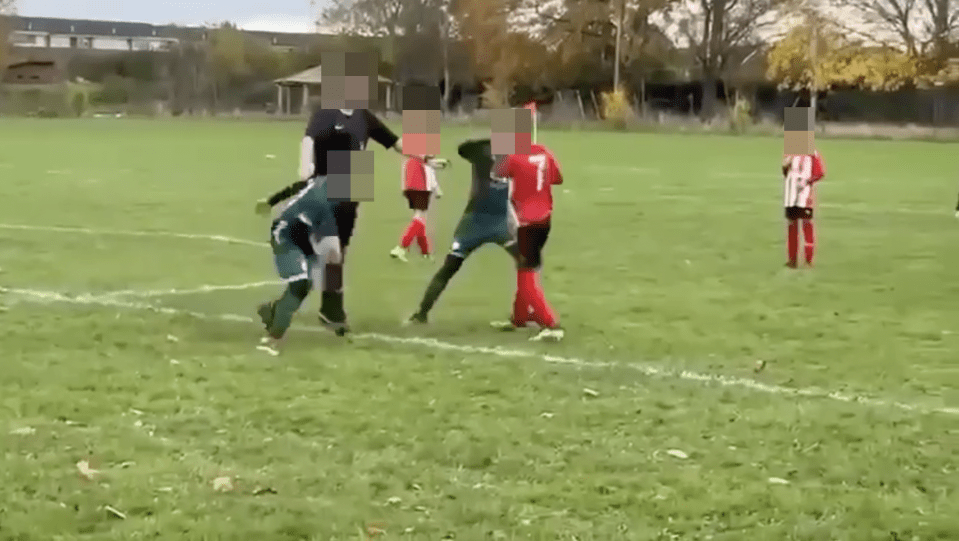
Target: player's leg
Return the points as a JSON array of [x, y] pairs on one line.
[[437, 285], [329, 252], [793, 215], [332, 306], [532, 244], [419, 201], [465, 242], [291, 266], [809, 236]]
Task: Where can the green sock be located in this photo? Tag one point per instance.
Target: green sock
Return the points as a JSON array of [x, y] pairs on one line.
[[286, 306]]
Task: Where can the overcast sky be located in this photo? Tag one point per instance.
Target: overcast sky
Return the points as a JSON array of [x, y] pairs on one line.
[[274, 15]]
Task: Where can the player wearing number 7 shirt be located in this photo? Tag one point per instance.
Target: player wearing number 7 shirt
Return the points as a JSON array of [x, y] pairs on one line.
[[800, 174], [532, 177]]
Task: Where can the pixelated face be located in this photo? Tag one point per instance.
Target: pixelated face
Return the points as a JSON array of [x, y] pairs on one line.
[[350, 175], [349, 79], [511, 131], [799, 130], [421, 120], [421, 132]]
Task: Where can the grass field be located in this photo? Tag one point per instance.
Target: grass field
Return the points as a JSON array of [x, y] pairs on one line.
[[130, 347]]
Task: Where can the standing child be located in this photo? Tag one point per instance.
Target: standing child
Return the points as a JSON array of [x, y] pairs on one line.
[[419, 187], [802, 167]]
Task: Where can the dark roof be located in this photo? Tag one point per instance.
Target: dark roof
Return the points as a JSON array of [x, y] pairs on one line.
[[284, 39], [92, 28], [32, 63]]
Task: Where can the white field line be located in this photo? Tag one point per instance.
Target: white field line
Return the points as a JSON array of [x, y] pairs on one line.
[[123, 233], [647, 369], [139, 293]]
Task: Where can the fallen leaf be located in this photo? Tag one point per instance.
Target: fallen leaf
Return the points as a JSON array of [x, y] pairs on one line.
[[760, 366], [677, 453], [171, 338], [778, 481], [86, 471], [590, 392], [222, 484], [264, 490], [115, 512], [546, 415], [394, 500]]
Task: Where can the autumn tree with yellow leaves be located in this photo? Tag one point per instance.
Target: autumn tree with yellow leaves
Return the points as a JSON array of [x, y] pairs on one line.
[[838, 61]]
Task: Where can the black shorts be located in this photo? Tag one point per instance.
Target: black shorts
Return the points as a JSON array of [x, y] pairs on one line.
[[419, 199], [798, 213], [345, 214], [531, 240]]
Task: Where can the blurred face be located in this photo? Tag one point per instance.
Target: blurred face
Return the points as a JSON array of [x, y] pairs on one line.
[[511, 131], [421, 132], [799, 142]]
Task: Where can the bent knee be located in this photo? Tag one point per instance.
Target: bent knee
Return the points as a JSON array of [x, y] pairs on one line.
[[300, 288]]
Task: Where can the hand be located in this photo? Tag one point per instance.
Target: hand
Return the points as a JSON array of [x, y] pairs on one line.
[[438, 163], [263, 207]]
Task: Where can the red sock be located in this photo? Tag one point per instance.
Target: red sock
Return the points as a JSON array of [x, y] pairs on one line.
[[542, 312], [810, 237], [421, 238], [520, 301], [792, 242], [410, 233]]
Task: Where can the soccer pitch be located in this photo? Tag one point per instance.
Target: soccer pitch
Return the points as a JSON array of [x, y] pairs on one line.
[[132, 262]]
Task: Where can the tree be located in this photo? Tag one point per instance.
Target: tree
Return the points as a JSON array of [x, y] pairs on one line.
[[8, 9], [839, 61], [584, 33], [715, 30], [237, 59], [923, 28], [483, 26]]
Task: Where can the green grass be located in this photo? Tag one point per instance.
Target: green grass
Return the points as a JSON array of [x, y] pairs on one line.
[[666, 256]]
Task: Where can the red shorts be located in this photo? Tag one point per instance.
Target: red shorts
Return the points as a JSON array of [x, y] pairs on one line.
[[419, 199], [531, 240]]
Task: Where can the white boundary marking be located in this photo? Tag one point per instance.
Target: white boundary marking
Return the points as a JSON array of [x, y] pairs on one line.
[[139, 293], [644, 368], [647, 369], [122, 233]]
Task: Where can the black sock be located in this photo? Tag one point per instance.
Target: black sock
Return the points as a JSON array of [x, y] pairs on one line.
[[332, 304], [438, 283]]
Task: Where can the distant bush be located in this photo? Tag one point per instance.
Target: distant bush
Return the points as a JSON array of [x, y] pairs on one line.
[[114, 91], [616, 109]]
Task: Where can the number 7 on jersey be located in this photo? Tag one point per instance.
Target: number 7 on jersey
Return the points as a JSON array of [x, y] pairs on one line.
[[539, 160]]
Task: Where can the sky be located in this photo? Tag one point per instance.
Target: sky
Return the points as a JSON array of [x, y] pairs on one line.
[[271, 15]]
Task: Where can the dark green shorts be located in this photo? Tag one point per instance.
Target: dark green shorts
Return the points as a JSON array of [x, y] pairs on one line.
[[293, 252], [475, 230]]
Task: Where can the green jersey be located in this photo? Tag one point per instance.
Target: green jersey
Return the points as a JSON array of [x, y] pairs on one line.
[[311, 207], [488, 194]]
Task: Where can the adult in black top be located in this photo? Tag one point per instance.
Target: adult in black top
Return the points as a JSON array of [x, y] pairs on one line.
[[331, 130]]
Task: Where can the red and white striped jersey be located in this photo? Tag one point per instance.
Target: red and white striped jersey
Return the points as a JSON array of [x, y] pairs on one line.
[[418, 176], [800, 173]]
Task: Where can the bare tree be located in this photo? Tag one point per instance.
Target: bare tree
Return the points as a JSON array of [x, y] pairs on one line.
[[923, 28], [8, 9], [366, 17], [717, 29]]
